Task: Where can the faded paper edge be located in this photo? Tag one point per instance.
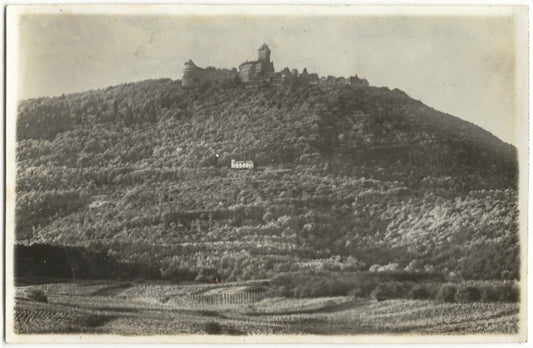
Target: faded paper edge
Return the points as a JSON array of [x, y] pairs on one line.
[[520, 14]]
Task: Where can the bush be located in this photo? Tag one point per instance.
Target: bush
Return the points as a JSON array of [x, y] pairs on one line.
[[308, 285], [94, 320], [490, 293], [363, 288], [447, 293], [213, 328], [177, 274], [210, 161], [320, 288], [419, 292], [468, 294], [37, 295], [207, 275], [391, 289], [385, 291], [509, 293]]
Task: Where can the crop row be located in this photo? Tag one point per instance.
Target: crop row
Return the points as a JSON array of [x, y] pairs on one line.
[[218, 299]]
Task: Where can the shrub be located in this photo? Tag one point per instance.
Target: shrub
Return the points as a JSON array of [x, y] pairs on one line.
[[231, 330], [94, 320], [509, 293], [468, 294], [333, 287], [490, 293], [447, 293], [210, 161], [177, 274], [320, 288], [382, 292], [363, 288], [37, 295], [308, 285], [207, 275], [213, 328], [419, 292]]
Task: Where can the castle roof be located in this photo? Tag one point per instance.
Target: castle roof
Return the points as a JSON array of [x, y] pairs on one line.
[[250, 63], [190, 62], [264, 46]]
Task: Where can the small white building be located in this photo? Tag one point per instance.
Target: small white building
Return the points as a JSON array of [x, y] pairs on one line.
[[242, 164]]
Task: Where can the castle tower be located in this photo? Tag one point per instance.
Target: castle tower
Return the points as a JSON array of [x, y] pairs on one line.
[[264, 53], [189, 73]]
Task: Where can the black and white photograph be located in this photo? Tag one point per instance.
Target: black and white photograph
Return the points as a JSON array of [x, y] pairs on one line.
[[266, 174]]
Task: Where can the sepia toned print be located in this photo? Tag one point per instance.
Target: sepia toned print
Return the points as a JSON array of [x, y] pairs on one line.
[[266, 174]]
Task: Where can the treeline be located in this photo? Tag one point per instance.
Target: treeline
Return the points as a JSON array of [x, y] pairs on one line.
[[390, 285], [39, 261], [43, 261]]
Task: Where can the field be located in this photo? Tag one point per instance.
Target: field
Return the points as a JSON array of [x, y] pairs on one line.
[[243, 308]]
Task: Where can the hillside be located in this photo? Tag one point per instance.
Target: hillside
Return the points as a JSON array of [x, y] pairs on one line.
[[347, 179]]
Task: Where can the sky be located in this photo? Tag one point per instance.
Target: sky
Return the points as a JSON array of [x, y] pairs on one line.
[[461, 65]]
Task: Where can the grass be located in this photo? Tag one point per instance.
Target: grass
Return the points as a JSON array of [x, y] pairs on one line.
[[140, 309]]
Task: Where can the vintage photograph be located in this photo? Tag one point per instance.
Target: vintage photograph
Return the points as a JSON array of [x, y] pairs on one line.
[[180, 173]]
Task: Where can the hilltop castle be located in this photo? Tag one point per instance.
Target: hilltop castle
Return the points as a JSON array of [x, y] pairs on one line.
[[260, 69]]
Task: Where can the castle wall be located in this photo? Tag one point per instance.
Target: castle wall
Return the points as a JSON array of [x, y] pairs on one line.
[[193, 75], [248, 71], [256, 70], [219, 75]]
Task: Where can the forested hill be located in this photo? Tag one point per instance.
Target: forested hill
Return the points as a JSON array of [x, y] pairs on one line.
[[349, 178]]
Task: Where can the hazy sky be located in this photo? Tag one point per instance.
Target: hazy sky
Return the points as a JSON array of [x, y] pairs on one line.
[[464, 66]]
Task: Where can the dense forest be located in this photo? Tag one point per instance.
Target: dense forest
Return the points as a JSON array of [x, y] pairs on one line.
[[347, 178]]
